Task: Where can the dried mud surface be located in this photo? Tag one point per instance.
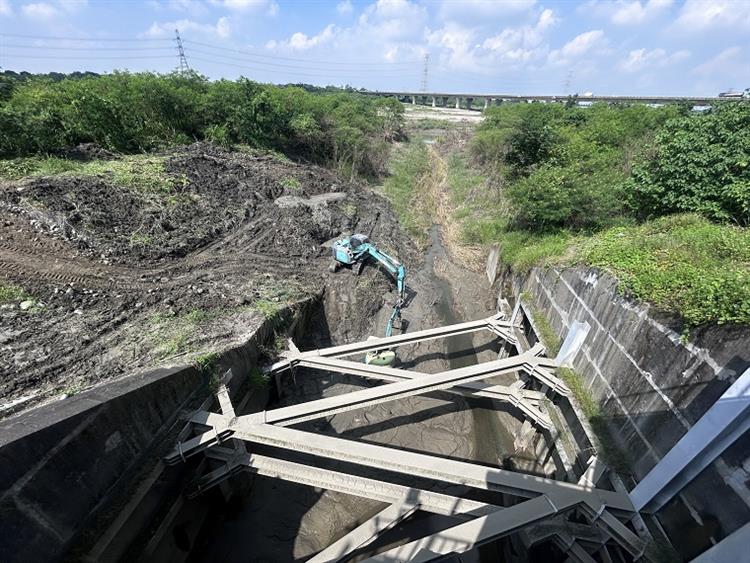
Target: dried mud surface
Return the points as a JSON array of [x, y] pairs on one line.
[[123, 279]]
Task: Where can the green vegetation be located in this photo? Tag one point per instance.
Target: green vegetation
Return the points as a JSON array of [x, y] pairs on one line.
[[547, 334], [608, 451], [11, 292], [405, 188], [174, 333], [207, 364], [267, 307], [701, 164], [566, 185], [258, 379], [138, 172], [140, 239], [291, 183], [680, 263], [136, 112]]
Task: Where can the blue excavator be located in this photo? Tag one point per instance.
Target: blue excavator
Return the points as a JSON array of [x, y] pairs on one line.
[[353, 252]]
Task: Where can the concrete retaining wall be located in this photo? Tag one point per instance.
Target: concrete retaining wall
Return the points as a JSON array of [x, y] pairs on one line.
[[66, 467], [652, 387]]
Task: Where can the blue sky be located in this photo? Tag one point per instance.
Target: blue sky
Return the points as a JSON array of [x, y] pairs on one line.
[[658, 47]]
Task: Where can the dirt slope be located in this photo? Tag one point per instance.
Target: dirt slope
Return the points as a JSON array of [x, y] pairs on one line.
[[124, 278]]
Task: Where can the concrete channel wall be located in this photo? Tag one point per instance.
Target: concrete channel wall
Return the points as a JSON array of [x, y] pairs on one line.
[[68, 469], [653, 386]]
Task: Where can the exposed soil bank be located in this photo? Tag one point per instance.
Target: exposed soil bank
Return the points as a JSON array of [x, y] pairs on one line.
[[124, 278]]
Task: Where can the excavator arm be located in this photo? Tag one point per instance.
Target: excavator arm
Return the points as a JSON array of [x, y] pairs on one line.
[[397, 270], [394, 267]]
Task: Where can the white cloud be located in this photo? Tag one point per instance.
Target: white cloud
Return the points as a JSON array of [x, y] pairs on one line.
[[72, 5], [39, 11], [522, 43], [633, 13], [482, 10], [5, 9], [731, 63], [166, 29], [344, 7], [394, 20], [270, 6], [300, 42], [700, 15], [644, 59], [579, 45], [194, 7], [458, 42]]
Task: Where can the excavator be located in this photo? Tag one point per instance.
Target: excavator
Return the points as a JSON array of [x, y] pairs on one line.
[[354, 251]]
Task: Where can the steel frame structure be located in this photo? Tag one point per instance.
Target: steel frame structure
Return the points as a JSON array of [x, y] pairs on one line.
[[536, 498]]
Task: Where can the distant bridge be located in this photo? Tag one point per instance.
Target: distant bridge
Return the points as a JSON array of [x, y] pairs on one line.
[[478, 101]]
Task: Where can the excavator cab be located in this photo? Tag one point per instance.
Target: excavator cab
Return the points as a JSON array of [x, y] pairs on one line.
[[346, 251]]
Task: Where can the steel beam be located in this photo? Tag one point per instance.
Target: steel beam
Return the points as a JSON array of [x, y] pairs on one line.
[[463, 537], [516, 397], [410, 463], [375, 343], [383, 491], [605, 520], [721, 425], [734, 547], [425, 383], [366, 532]]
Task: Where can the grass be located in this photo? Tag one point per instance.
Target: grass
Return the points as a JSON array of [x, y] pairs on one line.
[[268, 308], [547, 334], [680, 264], [11, 292], [432, 123], [608, 451], [291, 183], [207, 364], [174, 333], [145, 173], [141, 239], [524, 250], [406, 189], [258, 379]]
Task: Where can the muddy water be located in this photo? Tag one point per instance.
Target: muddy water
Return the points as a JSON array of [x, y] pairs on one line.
[[492, 441], [461, 347]]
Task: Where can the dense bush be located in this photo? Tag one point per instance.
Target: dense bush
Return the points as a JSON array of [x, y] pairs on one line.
[[700, 163], [139, 112], [588, 168], [631, 190]]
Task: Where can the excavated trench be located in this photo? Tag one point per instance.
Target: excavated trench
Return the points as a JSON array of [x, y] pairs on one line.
[[263, 519]]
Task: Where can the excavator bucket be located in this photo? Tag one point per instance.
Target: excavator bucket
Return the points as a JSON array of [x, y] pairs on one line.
[[381, 358]]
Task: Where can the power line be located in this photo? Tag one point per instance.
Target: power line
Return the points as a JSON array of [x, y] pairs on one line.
[[65, 48], [92, 39], [299, 67], [296, 59], [293, 74], [425, 72], [85, 58]]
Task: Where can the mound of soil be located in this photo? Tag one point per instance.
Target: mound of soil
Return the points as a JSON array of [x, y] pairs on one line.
[[86, 152], [100, 261]]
